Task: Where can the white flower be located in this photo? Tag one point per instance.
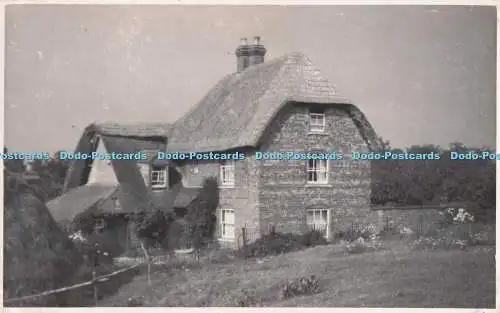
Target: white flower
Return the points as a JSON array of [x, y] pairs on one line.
[[78, 236]]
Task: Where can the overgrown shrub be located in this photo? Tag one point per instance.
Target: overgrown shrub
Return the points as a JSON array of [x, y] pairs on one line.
[[361, 245], [201, 215], [313, 238], [368, 232], [247, 298], [300, 286], [457, 236], [38, 255], [276, 243]]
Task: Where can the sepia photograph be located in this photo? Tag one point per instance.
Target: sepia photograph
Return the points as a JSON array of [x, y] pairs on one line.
[[250, 156]]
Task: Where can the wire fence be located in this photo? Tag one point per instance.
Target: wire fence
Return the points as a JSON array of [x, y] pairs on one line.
[[94, 282]]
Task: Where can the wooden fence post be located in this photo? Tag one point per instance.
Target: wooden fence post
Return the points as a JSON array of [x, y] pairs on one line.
[[244, 236], [421, 224], [94, 284], [95, 264]]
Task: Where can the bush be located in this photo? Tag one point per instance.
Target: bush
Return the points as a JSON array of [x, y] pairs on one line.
[[457, 236], [361, 245], [38, 255], [277, 243], [201, 214], [313, 238], [353, 234], [248, 298], [300, 286]]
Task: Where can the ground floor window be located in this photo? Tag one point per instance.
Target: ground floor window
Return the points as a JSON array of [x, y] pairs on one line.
[[227, 224], [319, 220]]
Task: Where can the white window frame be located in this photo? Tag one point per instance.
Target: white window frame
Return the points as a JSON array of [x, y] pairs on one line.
[[227, 179], [227, 227], [317, 122], [319, 170], [161, 181], [318, 221]]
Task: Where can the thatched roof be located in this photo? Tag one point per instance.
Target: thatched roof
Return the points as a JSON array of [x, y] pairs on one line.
[[38, 255], [78, 197], [237, 111], [77, 200], [138, 130], [87, 199]]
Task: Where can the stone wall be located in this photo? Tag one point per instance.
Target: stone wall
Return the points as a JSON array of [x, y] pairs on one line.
[[284, 194], [418, 220], [242, 197]]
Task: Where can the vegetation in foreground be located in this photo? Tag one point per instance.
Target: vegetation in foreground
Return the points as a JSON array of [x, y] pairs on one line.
[[397, 276]]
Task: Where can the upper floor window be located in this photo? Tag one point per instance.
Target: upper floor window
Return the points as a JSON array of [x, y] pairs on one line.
[[317, 171], [317, 120], [158, 177], [227, 173]]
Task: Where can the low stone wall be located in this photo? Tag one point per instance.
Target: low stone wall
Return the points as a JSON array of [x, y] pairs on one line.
[[418, 219]]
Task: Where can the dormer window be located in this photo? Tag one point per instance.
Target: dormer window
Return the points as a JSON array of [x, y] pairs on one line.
[[317, 120], [158, 177], [227, 173]]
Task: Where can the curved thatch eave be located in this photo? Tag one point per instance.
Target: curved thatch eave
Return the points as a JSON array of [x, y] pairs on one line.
[[237, 111], [365, 128], [149, 131], [79, 170]]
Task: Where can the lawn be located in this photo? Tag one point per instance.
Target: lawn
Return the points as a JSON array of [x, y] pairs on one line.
[[395, 277]]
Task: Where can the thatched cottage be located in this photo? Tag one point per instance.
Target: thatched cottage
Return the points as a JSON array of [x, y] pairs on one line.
[[279, 105]]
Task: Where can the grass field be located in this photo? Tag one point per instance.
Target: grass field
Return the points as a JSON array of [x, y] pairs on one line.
[[395, 277]]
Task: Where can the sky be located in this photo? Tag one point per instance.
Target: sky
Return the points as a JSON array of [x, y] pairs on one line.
[[421, 74]]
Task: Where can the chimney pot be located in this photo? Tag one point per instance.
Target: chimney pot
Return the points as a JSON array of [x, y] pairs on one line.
[[257, 52], [244, 41]]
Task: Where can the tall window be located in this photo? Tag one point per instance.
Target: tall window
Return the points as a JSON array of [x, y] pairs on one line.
[[317, 121], [227, 173], [227, 224], [319, 220], [317, 171], [158, 177]]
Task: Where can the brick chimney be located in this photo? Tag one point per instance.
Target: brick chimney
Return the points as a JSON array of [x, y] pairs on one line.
[[257, 52], [242, 55]]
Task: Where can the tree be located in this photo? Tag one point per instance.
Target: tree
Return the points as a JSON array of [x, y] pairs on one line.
[[201, 215], [151, 226], [416, 182], [16, 166], [52, 173]]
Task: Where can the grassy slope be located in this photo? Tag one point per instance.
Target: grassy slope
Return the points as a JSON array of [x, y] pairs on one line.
[[398, 277]]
